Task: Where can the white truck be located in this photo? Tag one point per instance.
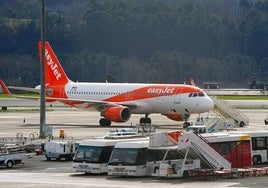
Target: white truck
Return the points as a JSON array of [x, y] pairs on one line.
[[59, 150]]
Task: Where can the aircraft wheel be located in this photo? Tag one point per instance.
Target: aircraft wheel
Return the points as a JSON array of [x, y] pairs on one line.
[[105, 122], [148, 120], [142, 120], [186, 124], [241, 124], [145, 120], [108, 123]]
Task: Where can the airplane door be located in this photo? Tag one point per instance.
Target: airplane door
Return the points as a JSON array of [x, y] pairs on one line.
[[176, 96]]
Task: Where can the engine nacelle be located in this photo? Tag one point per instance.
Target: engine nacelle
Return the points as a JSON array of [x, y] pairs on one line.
[[116, 113], [178, 117]]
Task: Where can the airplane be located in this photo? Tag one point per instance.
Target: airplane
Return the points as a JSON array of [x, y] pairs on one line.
[[117, 101]]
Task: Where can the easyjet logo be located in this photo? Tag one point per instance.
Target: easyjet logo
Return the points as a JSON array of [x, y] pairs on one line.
[[53, 66], [159, 91]]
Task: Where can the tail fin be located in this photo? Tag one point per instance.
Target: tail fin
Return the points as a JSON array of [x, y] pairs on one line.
[[54, 71], [192, 82], [4, 87]]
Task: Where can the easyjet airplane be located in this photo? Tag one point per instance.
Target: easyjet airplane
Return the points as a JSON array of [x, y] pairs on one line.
[[117, 101]]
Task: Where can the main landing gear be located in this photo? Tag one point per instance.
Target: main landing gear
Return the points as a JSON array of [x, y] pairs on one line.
[[186, 124], [105, 122]]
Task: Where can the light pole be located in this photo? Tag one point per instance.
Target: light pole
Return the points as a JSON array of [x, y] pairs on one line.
[[42, 74]]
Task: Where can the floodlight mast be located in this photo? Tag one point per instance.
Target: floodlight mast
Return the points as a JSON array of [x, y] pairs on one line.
[[42, 74]]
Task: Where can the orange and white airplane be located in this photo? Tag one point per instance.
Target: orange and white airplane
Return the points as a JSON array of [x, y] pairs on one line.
[[117, 101]]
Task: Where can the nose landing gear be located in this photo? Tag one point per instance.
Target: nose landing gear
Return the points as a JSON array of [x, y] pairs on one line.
[[145, 120]]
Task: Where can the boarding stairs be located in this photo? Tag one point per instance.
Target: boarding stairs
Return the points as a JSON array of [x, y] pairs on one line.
[[218, 124], [200, 145], [226, 110], [164, 139]]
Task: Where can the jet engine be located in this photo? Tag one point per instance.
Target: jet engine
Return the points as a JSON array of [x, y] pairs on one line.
[[116, 113], [178, 117]]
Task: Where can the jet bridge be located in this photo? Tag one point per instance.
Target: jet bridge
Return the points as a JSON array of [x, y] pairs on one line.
[[226, 110]]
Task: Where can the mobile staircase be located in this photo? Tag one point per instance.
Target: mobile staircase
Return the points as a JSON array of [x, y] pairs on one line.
[[212, 125], [190, 140], [220, 124], [226, 110], [201, 147]]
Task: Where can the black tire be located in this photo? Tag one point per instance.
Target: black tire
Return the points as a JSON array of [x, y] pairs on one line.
[[48, 158], [266, 122], [186, 124], [185, 174], [105, 122], [148, 120], [69, 158], [142, 120], [9, 164], [256, 159], [108, 123], [241, 124]]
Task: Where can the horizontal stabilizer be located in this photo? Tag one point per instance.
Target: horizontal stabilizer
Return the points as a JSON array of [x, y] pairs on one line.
[[34, 90]]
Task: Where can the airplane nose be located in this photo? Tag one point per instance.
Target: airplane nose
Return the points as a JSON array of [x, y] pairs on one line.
[[210, 104]]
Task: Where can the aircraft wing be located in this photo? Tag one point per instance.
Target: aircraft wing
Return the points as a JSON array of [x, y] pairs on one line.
[[99, 105]]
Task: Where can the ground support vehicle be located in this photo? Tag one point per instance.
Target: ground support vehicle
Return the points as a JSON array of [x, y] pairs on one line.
[[92, 155], [13, 150], [177, 167], [210, 124], [11, 159], [130, 159], [135, 158], [59, 150], [198, 145]]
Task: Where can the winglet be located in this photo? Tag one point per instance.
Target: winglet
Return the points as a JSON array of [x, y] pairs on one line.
[[4, 87]]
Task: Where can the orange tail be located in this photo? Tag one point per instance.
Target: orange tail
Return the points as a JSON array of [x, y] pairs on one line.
[[4, 87], [54, 71], [192, 82]]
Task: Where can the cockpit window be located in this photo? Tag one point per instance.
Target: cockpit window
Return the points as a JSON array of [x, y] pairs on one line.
[[200, 94]]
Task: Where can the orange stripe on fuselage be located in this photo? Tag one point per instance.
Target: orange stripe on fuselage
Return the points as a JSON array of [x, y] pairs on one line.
[[152, 91]]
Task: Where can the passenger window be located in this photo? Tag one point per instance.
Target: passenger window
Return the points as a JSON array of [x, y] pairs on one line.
[[190, 95]]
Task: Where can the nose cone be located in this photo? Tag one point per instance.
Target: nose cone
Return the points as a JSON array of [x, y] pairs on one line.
[[209, 105], [205, 105]]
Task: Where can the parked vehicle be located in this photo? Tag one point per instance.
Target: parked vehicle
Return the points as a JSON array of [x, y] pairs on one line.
[[136, 159], [11, 159], [93, 155], [59, 150]]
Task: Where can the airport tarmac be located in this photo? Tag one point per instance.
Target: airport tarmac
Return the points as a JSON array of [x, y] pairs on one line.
[[78, 124]]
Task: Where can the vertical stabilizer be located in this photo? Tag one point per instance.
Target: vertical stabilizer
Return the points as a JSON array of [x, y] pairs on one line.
[[54, 71], [4, 87]]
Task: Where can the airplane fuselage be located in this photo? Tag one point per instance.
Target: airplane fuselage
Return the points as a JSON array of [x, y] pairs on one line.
[[144, 98]]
